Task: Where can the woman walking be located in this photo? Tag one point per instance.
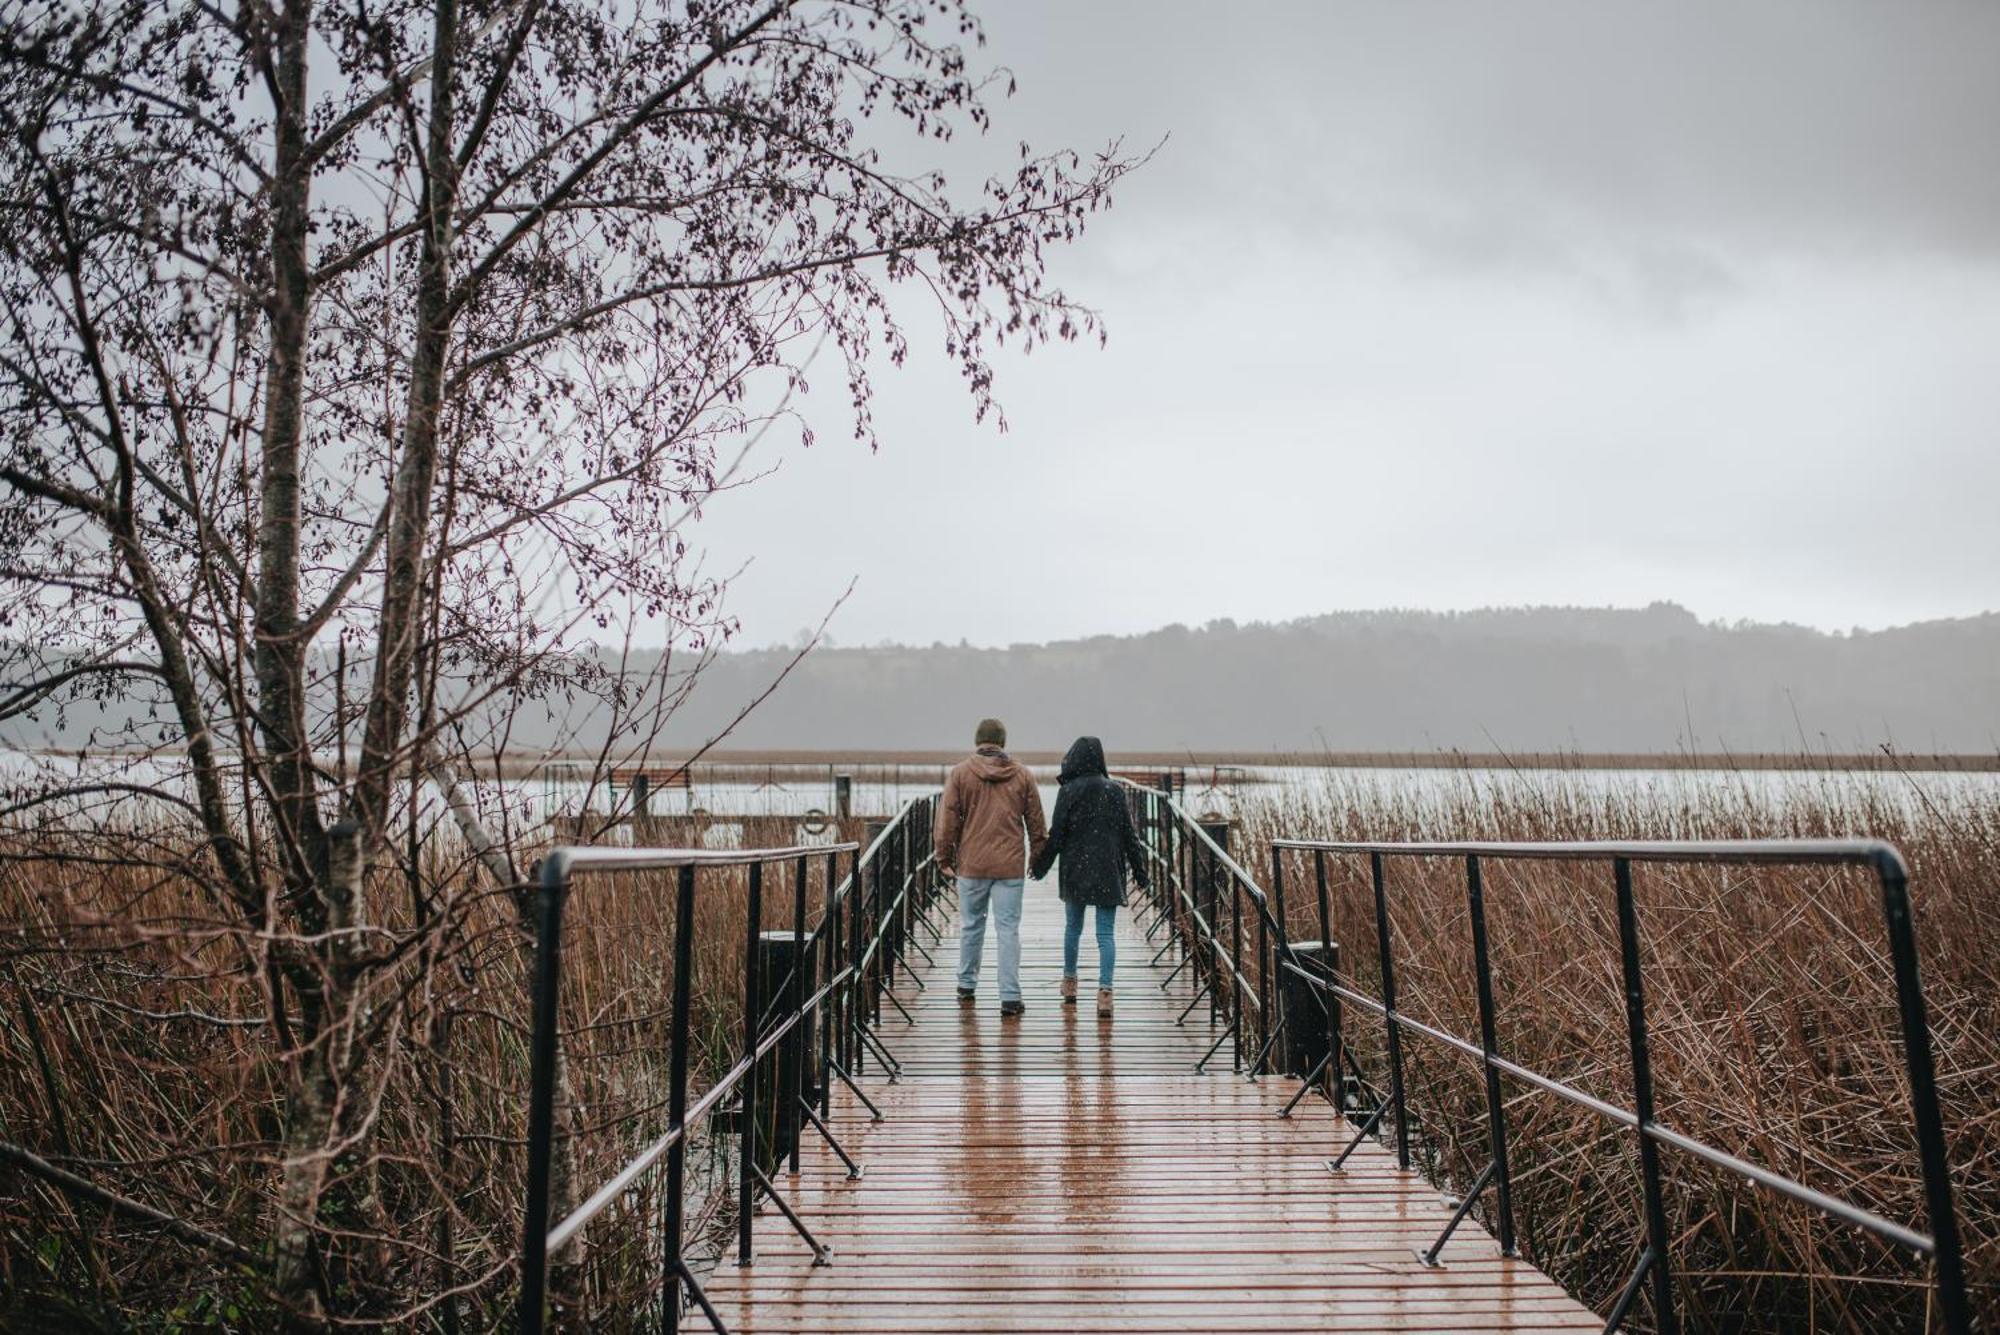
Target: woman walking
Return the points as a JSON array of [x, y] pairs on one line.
[[1092, 833]]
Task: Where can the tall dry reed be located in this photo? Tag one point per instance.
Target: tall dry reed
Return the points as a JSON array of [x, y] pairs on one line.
[[1772, 1015], [138, 1052]]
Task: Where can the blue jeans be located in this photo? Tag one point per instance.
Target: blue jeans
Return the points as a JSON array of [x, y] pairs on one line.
[[975, 896], [1107, 946]]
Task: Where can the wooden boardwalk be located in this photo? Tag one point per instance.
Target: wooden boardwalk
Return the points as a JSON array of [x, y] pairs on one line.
[[1060, 1173]]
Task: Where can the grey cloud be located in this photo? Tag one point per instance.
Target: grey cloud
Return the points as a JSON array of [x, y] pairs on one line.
[[1843, 126], [1455, 304]]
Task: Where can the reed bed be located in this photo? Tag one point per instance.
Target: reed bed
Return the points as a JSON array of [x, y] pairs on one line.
[[137, 1051], [1772, 1014]]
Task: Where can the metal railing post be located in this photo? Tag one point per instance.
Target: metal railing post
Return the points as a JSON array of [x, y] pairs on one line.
[[890, 951], [1235, 969], [1319, 880], [857, 938], [1267, 990], [907, 916], [1394, 1034], [794, 1090], [1942, 1248], [1191, 888], [752, 1012], [1278, 891], [1665, 1318], [1496, 1111], [550, 895], [1260, 1058], [1953, 1304], [671, 1263], [830, 930]]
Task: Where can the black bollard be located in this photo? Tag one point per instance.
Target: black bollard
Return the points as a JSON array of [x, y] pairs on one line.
[[1312, 1015], [790, 1071]]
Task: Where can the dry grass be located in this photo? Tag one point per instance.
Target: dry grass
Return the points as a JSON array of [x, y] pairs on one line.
[[136, 1050], [1772, 1014]]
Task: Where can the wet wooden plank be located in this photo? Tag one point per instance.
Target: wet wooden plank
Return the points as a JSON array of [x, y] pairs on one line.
[[1058, 1172]]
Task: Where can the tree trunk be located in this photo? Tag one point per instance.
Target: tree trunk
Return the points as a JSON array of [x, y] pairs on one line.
[[314, 1100], [280, 653], [402, 618]]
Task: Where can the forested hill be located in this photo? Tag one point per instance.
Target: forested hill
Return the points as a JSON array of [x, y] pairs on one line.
[[1526, 679], [1541, 679]]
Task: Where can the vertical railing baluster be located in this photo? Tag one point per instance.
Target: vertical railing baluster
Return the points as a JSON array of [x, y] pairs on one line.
[[1184, 839], [1496, 1112], [829, 932], [1666, 1320], [885, 950], [1278, 892], [752, 1013], [1218, 936], [550, 896], [1391, 1021], [1269, 985], [1953, 1305], [1235, 967], [857, 914], [1319, 880], [671, 1263], [795, 999], [907, 888]]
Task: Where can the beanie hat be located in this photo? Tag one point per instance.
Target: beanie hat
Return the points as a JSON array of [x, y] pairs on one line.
[[991, 732]]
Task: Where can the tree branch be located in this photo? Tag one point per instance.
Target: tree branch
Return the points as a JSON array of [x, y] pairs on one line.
[[84, 1189]]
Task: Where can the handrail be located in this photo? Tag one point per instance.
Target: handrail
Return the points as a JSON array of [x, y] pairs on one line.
[[1271, 937], [573, 1223], [1873, 852], [572, 859], [902, 891], [1941, 1245], [859, 936], [1206, 932]]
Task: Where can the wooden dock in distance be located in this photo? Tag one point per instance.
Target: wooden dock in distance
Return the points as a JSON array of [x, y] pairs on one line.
[[1056, 1172]]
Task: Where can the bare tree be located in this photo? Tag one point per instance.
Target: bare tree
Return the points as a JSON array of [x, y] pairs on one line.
[[364, 361]]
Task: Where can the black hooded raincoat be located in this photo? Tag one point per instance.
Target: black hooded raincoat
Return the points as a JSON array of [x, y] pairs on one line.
[[1091, 832]]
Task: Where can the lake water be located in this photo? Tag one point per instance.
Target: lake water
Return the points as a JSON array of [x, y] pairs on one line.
[[805, 791]]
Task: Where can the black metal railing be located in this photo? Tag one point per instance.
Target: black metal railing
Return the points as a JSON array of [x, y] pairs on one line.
[[1941, 1245], [1207, 901], [816, 1034], [1214, 912]]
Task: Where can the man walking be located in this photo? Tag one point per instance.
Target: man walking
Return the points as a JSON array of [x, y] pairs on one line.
[[989, 804]]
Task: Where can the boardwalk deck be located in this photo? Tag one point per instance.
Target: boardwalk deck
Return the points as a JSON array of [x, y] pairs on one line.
[[1060, 1173]]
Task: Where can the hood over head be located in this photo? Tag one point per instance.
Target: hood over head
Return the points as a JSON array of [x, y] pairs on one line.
[[992, 764], [1085, 758]]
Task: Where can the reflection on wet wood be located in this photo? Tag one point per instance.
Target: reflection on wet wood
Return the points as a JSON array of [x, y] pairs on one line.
[[1058, 1172]]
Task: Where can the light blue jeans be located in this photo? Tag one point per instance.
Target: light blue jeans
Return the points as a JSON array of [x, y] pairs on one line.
[[975, 896], [1107, 945]]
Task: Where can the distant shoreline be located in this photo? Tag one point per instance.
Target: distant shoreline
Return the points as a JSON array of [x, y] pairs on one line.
[[1971, 763], [514, 764]]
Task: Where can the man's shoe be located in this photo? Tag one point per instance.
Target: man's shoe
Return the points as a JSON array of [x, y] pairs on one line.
[[1104, 1003], [1069, 991], [1009, 1009], [965, 996]]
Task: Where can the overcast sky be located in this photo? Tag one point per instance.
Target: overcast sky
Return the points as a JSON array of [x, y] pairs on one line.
[[1448, 305]]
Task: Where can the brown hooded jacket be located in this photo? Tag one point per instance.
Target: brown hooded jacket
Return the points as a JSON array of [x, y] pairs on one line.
[[989, 801]]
